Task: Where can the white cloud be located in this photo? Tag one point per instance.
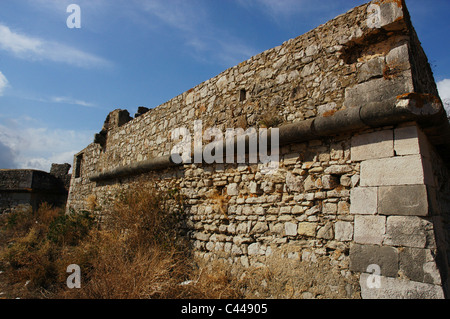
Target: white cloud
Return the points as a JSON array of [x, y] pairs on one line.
[[38, 147], [280, 9], [69, 100], [444, 92], [3, 83], [35, 49]]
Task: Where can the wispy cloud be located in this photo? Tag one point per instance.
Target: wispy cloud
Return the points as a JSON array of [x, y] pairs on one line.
[[69, 100], [444, 92], [24, 144], [278, 7], [36, 49], [204, 39], [3, 83], [55, 99]]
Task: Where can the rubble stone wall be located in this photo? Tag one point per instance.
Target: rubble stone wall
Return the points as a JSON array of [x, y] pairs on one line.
[[363, 189]]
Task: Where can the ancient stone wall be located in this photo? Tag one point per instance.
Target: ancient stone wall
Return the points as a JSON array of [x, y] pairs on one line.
[[362, 170], [23, 189]]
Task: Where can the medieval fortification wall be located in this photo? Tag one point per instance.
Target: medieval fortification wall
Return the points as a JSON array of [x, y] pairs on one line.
[[363, 169]]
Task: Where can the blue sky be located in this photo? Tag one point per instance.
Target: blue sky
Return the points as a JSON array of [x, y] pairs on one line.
[[58, 84]]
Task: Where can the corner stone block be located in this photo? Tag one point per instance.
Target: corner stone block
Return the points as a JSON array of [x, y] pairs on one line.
[[403, 200], [369, 230], [362, 256], [392, 288], [390, 12], [364, 201], [372, 145], [401, 170], [410, 140], [419, 265], [405, 231]]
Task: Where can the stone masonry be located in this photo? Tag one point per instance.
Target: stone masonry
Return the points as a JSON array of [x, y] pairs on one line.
[[363, 173], [24, 189]]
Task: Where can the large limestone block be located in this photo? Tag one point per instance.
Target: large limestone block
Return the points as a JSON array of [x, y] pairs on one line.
[[406, 231], [372, 145], [400, 170], [393, 288], [364, 201], [403, 200], [410, 141], [363, 256], [419, 265], [369, 230], [378, 90]]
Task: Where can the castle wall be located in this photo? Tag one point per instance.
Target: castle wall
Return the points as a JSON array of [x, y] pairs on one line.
[[25, 189], [364, 186]]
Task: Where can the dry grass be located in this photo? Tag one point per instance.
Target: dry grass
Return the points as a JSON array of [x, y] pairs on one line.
[[140, 252]]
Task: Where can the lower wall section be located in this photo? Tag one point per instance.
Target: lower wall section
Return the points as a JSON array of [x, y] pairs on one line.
[[320, 209]]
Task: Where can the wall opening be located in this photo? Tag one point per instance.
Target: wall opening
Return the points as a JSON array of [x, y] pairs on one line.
[[242, 95], [78, 165]]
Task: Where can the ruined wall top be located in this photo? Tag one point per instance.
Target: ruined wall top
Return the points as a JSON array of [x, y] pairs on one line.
[[367, 58]]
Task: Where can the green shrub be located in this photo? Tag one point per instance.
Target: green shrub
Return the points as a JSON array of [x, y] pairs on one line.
[[69, 229]]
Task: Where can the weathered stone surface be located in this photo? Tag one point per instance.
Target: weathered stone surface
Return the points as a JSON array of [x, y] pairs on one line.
[[232, 189], [399, 57], [373, 145], [362, 256], [407, 141], [294, 183], [254, 249], [405, 170], [326, 109], [371, 69], [329, 208], [330, 182], [291, 159], [403, 200], [392, 288], [202, 236], [377, 90], [343, 231], [338, 169], [307, 229], [405, 231], [364, 201], [419, 265], [369, 229], [326, 232], [290, 229], [260, 227], [390, 13]]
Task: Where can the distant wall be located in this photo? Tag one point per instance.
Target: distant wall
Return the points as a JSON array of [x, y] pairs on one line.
[[27, 189]]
